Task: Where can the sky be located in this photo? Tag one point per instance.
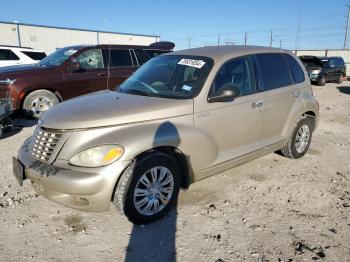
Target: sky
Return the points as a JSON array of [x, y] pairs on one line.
[[295, 24]]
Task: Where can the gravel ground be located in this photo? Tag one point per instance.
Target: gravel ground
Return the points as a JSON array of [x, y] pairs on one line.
[[271, 209]]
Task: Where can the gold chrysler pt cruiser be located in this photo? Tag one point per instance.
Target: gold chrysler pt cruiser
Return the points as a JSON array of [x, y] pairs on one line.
[[182, 117]]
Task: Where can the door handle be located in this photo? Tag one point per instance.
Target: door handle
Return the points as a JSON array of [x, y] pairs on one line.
[[101, 74], [257, 104], [296, 94]]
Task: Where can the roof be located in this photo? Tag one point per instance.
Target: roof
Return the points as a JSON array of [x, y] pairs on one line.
[[77, 29], [228, 51]]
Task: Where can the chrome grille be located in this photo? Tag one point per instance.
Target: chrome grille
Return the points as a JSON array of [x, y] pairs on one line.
[[44, 143]]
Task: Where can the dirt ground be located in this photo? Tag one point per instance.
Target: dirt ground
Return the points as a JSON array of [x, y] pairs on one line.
[[271, 209]]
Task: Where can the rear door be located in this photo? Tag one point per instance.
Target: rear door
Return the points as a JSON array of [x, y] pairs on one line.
[[92, 76], [279, 95], [121, 65]]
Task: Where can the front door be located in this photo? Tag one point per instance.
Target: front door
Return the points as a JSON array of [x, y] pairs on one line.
[[233, 127], [91, 77]]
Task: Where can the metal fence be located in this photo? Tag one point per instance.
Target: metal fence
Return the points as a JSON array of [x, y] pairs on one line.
[[344, 53], [48, 38]]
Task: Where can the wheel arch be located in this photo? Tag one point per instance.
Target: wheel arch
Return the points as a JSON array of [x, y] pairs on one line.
[[180, 159], [31, 90]]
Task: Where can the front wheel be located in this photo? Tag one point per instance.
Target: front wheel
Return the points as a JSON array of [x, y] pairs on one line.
[[340, 79], [38, 102], [300, 140], [321, 81], [148, 188]]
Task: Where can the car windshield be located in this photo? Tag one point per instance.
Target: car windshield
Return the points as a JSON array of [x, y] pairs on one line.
[[58, 57], [169, 76]]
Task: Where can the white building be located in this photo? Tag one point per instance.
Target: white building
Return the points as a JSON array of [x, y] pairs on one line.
[[49, 38]]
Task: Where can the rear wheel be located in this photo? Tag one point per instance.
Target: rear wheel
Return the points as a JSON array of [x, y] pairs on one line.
[[148, 188], [300, 140], [38, 102], [321, 81]]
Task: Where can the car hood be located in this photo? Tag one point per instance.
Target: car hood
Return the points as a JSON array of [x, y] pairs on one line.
[[21, 70], [109, 108]]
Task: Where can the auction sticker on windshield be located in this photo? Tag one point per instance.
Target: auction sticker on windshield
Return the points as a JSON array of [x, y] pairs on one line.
[[191, 62]]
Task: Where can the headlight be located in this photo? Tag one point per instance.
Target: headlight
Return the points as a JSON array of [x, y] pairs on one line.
[[97, 156], [7, 81], [315, 72]]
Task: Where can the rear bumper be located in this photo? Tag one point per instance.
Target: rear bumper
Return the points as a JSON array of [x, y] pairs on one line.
[[87, 189]]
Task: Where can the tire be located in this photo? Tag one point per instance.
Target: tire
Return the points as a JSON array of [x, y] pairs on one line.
[[291, 150], [321, 81], [39, 101], [340, 79], [124, 195]]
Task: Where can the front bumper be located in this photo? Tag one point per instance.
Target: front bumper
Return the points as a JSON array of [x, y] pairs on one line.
[[85, 189]]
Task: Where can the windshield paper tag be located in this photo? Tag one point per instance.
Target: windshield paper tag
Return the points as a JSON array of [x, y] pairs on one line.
[[191, 62], [187, 88]]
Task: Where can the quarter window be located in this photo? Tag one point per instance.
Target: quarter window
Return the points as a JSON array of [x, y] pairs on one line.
[[295, 69], [274, 71], [237, 72], [91, 59], [6, 54], [119, 57], [34, 55]]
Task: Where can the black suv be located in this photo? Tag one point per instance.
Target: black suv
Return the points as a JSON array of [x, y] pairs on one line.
[[324, 69]]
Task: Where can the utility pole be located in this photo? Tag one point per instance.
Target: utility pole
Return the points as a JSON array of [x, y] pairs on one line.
[[281, 43], [245, 38], [347, 28], [218, 39], [189, 42], [271, 38]]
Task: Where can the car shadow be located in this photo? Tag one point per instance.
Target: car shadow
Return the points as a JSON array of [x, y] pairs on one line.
[[15, 124], [153, 242], [156, 241], [344, 89]]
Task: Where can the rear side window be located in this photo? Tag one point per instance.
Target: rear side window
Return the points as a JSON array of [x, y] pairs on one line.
[[238, 72], [274, 71], [141, 56], [119, 57], [154, 53], [295, 69], [6, 54], [34, 55], [340, 61]]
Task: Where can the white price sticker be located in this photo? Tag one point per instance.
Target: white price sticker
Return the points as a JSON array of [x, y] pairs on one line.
[[191, 62]]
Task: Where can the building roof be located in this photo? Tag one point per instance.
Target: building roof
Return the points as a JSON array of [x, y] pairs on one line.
[[77, 29]]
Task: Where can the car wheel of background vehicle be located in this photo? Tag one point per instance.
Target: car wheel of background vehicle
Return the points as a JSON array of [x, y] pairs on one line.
[[39, 101], [321, 81], [340, 79], [148, 188], [300, 140]]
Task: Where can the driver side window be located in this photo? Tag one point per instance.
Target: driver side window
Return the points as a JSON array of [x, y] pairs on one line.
[[238, 72], [91, 59]]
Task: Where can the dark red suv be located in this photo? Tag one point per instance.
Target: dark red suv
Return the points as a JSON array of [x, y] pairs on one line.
[[73, 71]]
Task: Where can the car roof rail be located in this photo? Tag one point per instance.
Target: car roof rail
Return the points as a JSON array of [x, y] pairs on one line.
[[164, 45], [16, 46]]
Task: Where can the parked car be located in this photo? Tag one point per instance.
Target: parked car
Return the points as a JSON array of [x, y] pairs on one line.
[[74, 71], [324, 69], [5, 109], [14, 55], [182, 117]]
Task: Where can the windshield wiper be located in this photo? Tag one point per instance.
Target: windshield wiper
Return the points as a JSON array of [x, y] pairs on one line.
[[135, 92]]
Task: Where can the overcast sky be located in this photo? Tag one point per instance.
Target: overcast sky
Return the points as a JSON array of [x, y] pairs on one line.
[[297, 23]]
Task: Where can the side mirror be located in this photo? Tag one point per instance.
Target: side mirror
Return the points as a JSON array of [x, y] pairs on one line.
[[75, 66], [226, 93]]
